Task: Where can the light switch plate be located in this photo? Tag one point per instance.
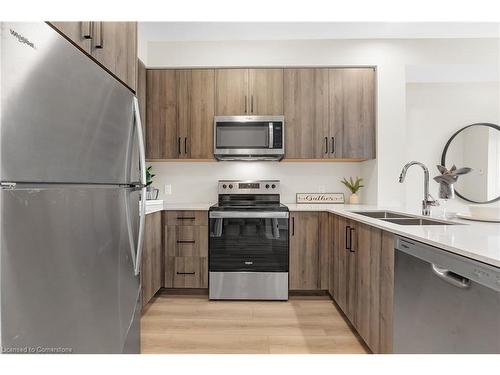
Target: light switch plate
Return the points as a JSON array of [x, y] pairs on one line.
[[168, 189]]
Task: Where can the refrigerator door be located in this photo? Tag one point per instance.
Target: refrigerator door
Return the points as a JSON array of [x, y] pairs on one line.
[[63, 117], [67, 269]]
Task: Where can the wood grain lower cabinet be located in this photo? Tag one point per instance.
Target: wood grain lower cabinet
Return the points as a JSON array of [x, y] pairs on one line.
[[152, 257], [367, 315], [304, 268], [186, 249], [362, 280]]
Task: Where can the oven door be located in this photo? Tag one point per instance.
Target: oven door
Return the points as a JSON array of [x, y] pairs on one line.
[[248, 241]]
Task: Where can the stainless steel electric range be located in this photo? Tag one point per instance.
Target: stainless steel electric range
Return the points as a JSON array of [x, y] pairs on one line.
[[248, 244]]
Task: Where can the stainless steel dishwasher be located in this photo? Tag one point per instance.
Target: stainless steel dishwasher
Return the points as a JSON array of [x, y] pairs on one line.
[[443, 302]]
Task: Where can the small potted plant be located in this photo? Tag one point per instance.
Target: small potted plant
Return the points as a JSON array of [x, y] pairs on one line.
[[151, 192], [353, 186]]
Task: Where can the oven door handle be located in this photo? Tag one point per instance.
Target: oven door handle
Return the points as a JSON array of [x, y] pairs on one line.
[[248, 214]]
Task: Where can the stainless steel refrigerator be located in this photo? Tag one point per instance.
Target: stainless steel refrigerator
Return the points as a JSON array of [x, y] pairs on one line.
[[71, 222]]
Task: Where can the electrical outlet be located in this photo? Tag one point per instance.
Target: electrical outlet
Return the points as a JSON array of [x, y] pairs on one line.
[[168, 189]]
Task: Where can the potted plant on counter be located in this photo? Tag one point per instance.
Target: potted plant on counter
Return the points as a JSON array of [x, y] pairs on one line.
[[353, 186], [151, 192]]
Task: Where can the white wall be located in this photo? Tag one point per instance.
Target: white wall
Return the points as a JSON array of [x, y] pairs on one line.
[[434, 112], [197, 182], [391, 58]]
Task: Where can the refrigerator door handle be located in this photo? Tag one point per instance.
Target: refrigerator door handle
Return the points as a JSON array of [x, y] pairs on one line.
[[142, 161]]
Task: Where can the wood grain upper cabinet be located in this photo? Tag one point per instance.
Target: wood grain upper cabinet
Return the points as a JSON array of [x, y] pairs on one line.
[[352, 113], [306, 113], [304, 268], [249, 92], [141, 93], [79, 32], [152, 257], [231, 96], [162, 141], [196, 109], [266, 91], [114, 45]]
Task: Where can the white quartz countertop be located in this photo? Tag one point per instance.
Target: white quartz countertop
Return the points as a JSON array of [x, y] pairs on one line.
[[160, 205], [475, 240]]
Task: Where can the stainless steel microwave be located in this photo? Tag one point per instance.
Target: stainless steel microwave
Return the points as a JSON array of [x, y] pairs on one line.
[[249, 137]]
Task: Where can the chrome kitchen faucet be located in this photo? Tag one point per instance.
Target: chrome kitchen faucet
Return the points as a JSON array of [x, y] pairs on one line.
[[428, 200]]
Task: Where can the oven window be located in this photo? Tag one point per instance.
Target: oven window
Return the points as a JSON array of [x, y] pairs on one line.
[[248, 244], [241, 135]]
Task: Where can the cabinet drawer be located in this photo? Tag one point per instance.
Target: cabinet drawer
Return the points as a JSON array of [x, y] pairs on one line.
[[186, 272], [186, 240], [187, 217]]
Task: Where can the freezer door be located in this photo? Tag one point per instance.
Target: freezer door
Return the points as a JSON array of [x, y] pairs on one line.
[[67, 270], [64, 118]]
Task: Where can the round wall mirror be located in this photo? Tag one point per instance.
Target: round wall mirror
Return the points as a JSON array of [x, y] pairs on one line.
[[476, 146]]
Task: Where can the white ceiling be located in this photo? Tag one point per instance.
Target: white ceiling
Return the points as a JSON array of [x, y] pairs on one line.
[[215, 31]]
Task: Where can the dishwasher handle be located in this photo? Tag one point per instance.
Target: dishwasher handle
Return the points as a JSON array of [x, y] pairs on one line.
[[451, 277]]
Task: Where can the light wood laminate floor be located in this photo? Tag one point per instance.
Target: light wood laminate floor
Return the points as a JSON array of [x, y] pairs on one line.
[[192, 324]]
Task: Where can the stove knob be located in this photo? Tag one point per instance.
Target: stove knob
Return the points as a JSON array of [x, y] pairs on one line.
[[230, 186], [273, 186], [224, 186], [267, 186]]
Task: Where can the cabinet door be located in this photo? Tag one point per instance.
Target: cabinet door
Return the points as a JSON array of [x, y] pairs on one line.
[[345, 266], [304, 251], [266, 91], [78, 32], [332, 249], [386, 292], [161, 126], [114, 45], [186, 240], [152, 258], [187, 272], [367, 316], [183, 82], [231, 92], [202, 108], [306, 113], [325, 253], [352, 112], [141, 93]]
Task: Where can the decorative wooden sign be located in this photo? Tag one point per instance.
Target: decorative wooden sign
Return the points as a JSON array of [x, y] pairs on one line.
[[323, 198]]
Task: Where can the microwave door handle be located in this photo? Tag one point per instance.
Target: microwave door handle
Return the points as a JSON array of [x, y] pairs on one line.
[[271, 135]]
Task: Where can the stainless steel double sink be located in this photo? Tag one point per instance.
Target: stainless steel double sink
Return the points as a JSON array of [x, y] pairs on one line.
[[403, 219]]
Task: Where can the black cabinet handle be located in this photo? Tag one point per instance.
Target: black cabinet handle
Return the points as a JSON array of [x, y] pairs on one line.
[[245, 104], [179, 145], [186, 273], [185, 145], [293, 226], [333, 145], [251, 105], [185, 218], [348, 237], [186, 241], [326, 145]]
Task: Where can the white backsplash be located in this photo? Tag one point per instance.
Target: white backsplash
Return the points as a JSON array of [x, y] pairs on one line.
[[196, 182]]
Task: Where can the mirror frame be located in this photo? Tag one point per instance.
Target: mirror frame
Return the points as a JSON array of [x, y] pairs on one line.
[[443, 156]]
